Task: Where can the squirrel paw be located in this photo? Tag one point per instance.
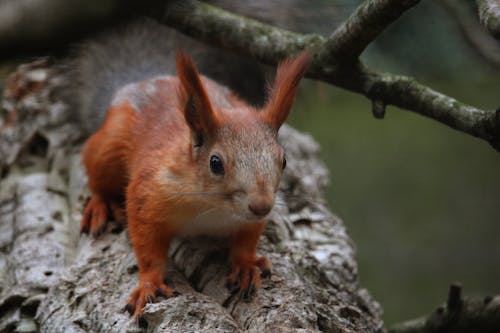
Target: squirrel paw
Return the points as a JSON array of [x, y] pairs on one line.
[[245, 275], [119, 214], [147, 292], [95, 217]]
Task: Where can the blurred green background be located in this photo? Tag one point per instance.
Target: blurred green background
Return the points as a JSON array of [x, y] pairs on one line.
[[420, 200]]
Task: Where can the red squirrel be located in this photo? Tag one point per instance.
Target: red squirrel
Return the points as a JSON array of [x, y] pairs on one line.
[[184, 156]]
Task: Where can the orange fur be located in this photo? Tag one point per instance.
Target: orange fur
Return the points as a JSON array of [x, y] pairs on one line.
[[282, 92], [245, 263], [146, 157]]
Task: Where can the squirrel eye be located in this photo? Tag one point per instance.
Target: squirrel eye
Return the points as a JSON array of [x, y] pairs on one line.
[[216, 165], [284, 164]]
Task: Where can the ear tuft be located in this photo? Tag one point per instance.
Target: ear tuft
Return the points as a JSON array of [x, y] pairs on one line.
[[198, 110], [282, 92]]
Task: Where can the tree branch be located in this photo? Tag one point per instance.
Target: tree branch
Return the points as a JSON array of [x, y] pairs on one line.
[[459, 315], [489, 15], [211, 24], [351, 38], [269, 45], [407, 93]]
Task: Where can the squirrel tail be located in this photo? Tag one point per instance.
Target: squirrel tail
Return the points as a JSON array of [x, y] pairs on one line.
[[138, 51], [145, 48]]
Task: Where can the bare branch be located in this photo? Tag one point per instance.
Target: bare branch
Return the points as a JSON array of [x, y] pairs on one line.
[[350, 39], [459, 315], [489, 14], [378, 109], [230, 31], [407, 93], [269, 44]]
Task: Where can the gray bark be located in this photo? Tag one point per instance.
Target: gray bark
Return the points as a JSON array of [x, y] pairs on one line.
[[53, 280], [457, 315], [368, 21], [489, 14]]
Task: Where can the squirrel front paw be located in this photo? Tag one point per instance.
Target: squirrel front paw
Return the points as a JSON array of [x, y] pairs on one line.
[[95, 217], [150, 287], [245, 275], [97, 214]]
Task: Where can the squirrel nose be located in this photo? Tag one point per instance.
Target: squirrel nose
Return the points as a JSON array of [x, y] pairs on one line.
[[260, 208]]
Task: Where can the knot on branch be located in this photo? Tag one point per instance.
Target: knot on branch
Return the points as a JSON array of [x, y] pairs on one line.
[[454, 302], [378, 108]]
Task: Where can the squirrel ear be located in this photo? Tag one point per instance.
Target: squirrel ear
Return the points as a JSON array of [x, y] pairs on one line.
[[198, 110], [282, 92]]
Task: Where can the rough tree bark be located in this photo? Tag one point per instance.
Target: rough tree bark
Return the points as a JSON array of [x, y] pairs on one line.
[[53, 280], [489, 14]]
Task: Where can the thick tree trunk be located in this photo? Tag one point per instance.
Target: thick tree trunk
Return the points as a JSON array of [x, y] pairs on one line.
[[54, 280]]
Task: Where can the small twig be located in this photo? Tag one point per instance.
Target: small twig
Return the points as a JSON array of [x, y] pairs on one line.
[[454, 302], [351, 38], [460, 315], [378, 109]]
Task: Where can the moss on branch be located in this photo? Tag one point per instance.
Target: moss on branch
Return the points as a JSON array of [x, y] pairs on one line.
[[233, 32]]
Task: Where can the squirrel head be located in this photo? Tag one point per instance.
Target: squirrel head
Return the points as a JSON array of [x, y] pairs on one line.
[[235, 145]]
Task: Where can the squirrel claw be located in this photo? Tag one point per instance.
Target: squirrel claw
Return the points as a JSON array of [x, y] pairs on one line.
[[146, 292], [129, 308], [232, 284], [162, 293], [141, 321], [248, 293], [95, 217], [265, 273], [245, 277], [234, 289], [159, 293]]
